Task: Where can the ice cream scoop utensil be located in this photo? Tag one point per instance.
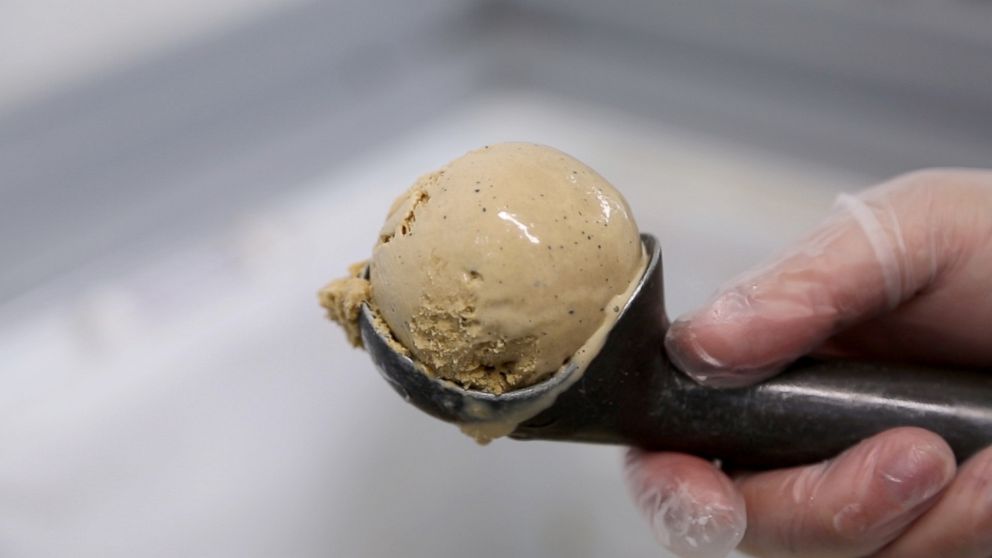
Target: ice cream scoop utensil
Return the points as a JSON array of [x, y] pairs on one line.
[[631, 394]]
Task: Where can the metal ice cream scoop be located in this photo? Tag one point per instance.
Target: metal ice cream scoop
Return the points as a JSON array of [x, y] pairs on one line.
[[631, 394]]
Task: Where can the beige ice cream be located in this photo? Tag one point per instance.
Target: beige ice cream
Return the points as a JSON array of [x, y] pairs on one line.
[[493, 270]]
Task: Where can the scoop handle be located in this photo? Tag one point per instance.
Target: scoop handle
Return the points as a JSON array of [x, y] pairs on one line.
[[811, 412], [815, 410]]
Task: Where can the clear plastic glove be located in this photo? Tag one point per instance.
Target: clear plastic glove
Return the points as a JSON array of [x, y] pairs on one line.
[[902, 272]]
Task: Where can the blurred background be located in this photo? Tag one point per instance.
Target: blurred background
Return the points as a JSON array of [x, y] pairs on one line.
[[177, 179]]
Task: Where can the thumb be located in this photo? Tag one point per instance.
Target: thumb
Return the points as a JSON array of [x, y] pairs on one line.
[[876, 250]]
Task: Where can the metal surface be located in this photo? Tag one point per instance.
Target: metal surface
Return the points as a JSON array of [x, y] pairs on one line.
[[631, 394]]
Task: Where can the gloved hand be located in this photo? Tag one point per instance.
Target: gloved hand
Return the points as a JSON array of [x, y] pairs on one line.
[[901, 272]]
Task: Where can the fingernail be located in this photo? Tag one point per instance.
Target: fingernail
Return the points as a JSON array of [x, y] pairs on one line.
[[686, 526], [916, 476], [686, 354], [692, 529], [683, 344], [689, 356]]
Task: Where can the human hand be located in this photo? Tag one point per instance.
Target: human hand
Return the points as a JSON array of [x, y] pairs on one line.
[[902, 272]]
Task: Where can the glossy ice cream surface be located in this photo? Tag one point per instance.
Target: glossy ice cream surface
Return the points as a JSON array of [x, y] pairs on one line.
[[493, 270]]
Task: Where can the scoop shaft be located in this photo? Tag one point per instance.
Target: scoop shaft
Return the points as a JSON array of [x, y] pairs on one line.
[[811, 412]]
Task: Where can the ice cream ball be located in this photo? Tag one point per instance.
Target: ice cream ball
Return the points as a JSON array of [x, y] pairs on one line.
[[494, 269]]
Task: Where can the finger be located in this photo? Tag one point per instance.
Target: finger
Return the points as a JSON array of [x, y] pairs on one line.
[[874, 252], [850, 506], [693, 509], [945, 323], [931, 330], [960, 524]]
